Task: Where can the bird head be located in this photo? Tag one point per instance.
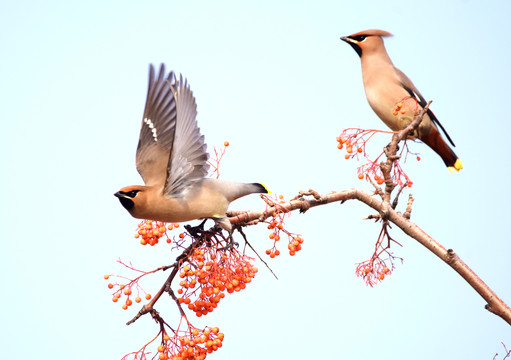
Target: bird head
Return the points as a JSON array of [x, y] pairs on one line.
[[366, 41], [131, 195]]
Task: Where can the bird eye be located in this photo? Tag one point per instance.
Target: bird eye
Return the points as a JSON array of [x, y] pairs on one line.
[[131, 193], [359, 38]]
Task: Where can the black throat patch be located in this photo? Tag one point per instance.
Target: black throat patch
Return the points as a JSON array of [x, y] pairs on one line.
[[127, 203]]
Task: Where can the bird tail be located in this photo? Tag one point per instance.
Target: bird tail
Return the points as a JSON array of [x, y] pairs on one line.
[[435, 141], [260, 188]]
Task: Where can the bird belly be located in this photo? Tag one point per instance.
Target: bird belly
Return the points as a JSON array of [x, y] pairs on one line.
[[396, 112], [195, 204]]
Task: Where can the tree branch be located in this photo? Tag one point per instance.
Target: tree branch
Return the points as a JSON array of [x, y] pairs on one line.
[[388, 212]]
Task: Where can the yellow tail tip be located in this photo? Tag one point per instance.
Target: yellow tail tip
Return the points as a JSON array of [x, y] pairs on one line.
[[265, 188], [458, 165]]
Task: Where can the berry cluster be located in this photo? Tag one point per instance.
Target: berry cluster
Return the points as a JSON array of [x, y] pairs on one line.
[[398, 109], [353, 145], [355, 140], [126, 289], [372, 271], [211, 274], [277, 227], [151, 231], [194, 345]]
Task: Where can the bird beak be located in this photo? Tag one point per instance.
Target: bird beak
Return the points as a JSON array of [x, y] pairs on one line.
[[119, 195], [353, 44]]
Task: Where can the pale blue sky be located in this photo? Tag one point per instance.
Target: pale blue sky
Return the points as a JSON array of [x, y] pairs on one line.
[[275, 80]]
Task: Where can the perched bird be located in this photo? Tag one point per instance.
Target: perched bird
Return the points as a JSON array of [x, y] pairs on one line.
[[394, 98], [173, 162]]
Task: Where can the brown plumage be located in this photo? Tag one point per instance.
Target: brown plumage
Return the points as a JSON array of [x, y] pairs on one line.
[[393, 97]]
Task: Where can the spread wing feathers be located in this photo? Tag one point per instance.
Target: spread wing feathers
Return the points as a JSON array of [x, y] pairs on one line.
[[188, 159], [412, 90], [158, 128]]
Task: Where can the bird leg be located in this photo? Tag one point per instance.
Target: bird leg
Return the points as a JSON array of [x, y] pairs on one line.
[[196, 231], [230, 244]]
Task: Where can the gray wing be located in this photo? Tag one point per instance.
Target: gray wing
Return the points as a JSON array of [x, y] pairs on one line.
[[158, 128], [188, 159], [412, 90]]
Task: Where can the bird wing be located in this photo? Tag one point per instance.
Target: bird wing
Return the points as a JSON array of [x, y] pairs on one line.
[[158, 128], [188, 159], [412, 90]]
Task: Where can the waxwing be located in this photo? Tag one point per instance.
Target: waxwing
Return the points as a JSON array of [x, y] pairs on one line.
[[394, 98], [173, 162]]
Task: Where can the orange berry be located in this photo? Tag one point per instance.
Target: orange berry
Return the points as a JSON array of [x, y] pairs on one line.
[[182, 235], [106, 277], [292, 253], [110, 286], [148, 296], [162, 356], [138, 299], [359, 150], [272, 235], [339, 146], [395, 113], [418, 158], [409, 184], [127, 291], [124, 307], [385, 269], [360, 176], [272, 255], [161, 348], [281, 196], [382, 276], [346, 156], [226, 143], [115, 299], [268, 252], [367, 270], [277, 237], [176, 225], [349, 149], [277, 253], [129, 302]]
